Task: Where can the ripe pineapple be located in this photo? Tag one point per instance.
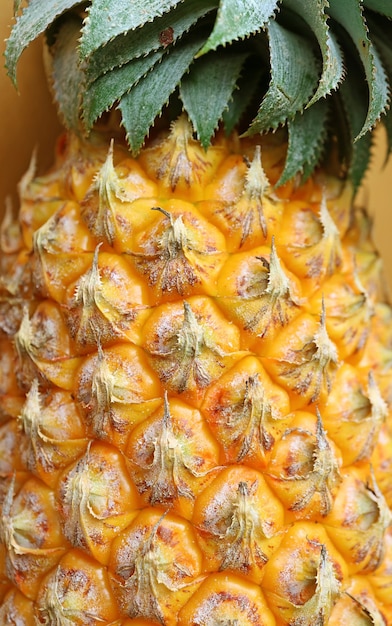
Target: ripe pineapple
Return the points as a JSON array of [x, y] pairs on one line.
[[196, 342]]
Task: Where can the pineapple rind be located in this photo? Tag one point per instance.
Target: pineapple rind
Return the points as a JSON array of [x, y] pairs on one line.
[[191, 464]]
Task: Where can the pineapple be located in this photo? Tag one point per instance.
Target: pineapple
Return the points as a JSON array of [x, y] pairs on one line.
[[196, 342]]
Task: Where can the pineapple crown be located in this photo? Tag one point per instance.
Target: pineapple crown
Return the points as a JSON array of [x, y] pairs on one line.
[[319, 68]]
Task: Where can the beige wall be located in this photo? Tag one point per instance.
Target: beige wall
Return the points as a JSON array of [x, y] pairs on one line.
[[376, 194], [28, 119]]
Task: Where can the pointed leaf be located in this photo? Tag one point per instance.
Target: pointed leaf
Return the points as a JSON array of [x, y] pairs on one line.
[[387, 121], [106, 90], [142, 41], [386, 55], [360, 160], [243, 95], [307, 133], [333, 66], [109, 18], [294, 78], [381, 34], [33, 21], [146, 99], [204, 105], [237, 19], [17, 4], [349, 15], [351, 94], [66, 74], [381, 6]]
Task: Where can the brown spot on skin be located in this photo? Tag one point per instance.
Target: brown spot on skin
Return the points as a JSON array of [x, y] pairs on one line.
[[315, 265], [166, 37], [165, 534]]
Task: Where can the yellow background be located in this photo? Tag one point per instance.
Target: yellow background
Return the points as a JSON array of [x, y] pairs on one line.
[[28, 119]]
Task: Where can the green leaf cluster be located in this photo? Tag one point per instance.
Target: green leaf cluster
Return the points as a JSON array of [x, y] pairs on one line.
[[321, 68]]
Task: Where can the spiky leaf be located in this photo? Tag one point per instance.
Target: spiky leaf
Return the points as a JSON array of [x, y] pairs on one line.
[[141, 105], [349, 15], [314, 14], [67, 76], [17, 4], [381, 6], [34, 20], [247, 86], [152, 36], [237, 19], [382, 36], [109, 18], [299, 47], [106, 90], [306, 134], [294, 78], [355, 109], [388, 128], [204, 106]]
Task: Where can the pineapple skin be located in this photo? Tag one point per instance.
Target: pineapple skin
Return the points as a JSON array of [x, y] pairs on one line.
[[195, 391]]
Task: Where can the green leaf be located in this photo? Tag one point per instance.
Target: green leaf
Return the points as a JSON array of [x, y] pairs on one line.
[[351, 93], [237, 19], [243, 95], [349, 15], [17, 4], [33, 21], [204, 105], [307, 132], [141, 105], [106, 90], [360, 160], [387, 121], [381, 34], [294, 78], [66, 74], [142, 41], [109, 18], [313, 13], [381, 6]]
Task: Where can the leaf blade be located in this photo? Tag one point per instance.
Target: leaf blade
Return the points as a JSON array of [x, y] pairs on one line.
[[203, 106], [381, 36], [351, 18], [32, 22], [66, 74], [306, 133], [238, 19], [314, 14], [144, 40], [380, 6], [355, 111], [109, 18], [243, 95], [100, 95], [288, 92], [140, 106]]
